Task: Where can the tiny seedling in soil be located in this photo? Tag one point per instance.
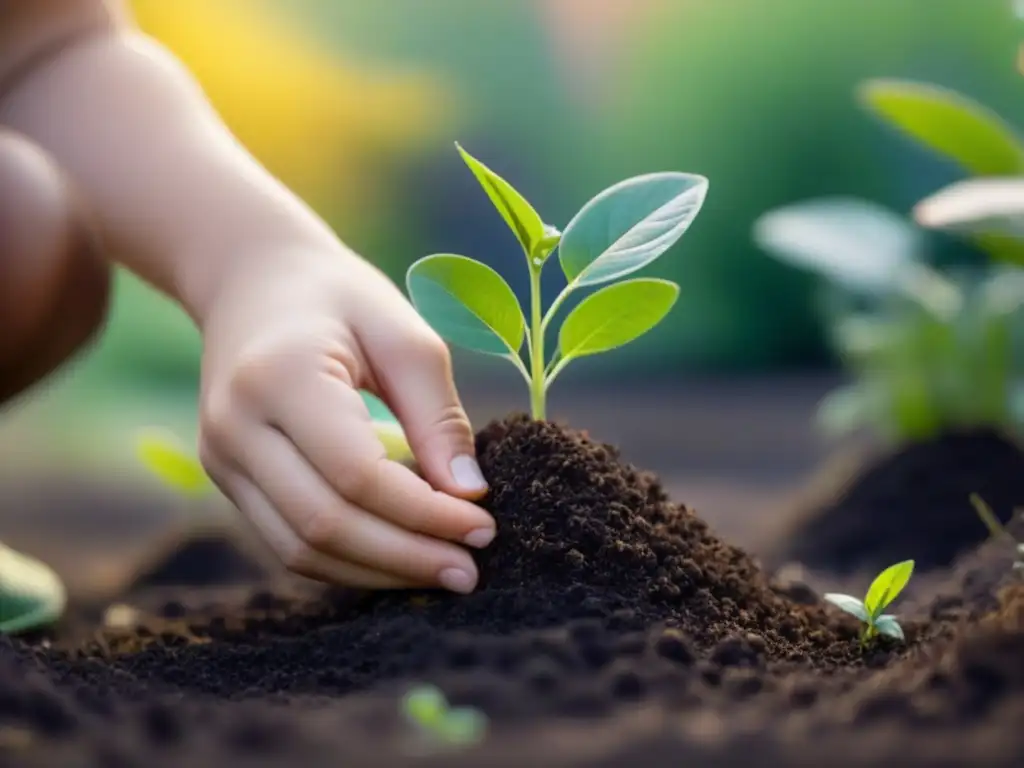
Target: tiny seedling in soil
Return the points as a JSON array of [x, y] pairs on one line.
[[621, 230], [996, 529], [883, 590], [928, 351], [426, 708]]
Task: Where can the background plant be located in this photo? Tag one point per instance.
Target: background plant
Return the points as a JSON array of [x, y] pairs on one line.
[[886, 587], [988, 207], [621, 230], [928, 351]]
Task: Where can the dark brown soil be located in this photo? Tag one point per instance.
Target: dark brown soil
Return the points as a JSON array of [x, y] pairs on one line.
[[911, 503], [202, 558], [611, 625]]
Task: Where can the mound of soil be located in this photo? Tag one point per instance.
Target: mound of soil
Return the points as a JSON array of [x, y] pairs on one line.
[[911, 504], [599, 598], [201, 559]]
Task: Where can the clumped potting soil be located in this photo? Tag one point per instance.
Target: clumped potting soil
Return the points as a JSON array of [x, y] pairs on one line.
[[912, 503], [598, 593]]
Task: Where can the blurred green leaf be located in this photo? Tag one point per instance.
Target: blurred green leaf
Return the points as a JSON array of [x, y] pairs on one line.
[[844, 410], [467, 303], [948, 123], [887, 586], [987, 207], [615, 315], [856, 243], [514, 209], [629, 225], [181, 470]]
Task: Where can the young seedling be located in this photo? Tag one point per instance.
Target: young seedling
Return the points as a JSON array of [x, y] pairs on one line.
[[621, 230], [996, 529], [883, 590], [426, 708], [928, 352]]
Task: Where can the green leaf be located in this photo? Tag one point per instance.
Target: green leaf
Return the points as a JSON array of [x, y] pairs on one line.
[[462, 726], [629, 225], [615, 315], [467, 303], [888, 625], [425, 705], [988, 207], [848, 603], [855, 243], [163, 455], [513, 207], [887, 586], [948, 123]]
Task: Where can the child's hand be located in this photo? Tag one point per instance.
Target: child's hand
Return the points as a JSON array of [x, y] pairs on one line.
[[286, 435]]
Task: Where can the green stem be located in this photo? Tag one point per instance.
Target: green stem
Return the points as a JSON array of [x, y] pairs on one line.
[[555, 305], [536, 348]]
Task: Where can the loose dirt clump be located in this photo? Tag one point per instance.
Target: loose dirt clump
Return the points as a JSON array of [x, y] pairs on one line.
[[913, 503]]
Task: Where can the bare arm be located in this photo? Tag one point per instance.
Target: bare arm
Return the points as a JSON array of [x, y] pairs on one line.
[[175, 198]]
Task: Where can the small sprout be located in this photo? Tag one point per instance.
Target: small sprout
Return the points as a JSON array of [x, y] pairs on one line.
[[163, 455], [883, 590], [426, 708], [621, 230]]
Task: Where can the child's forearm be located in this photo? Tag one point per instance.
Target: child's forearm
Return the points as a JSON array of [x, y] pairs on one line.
[[174, 197]]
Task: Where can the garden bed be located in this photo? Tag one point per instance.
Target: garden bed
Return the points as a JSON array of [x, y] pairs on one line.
[[611, 626]]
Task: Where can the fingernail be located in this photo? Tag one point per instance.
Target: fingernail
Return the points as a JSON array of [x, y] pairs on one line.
[[479, 538], [467, 473], [457, 580]]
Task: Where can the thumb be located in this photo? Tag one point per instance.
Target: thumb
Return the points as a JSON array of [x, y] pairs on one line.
[[419, 388]]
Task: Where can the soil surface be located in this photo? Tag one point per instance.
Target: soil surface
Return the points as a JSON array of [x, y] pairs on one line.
[[911, 503], [611, 625]]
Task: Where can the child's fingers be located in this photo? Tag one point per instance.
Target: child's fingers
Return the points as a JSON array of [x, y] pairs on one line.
[[415, 375], [326, 421], [296, 555], [330, 524]]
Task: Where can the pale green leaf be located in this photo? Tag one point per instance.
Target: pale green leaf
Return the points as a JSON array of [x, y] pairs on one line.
[[888, 625], [887, 586], [948, 123], [629, 225], [848, 603], [162, 454], [513, 207], [988, 207], [858, 244], [467, 303], [615, 315]]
